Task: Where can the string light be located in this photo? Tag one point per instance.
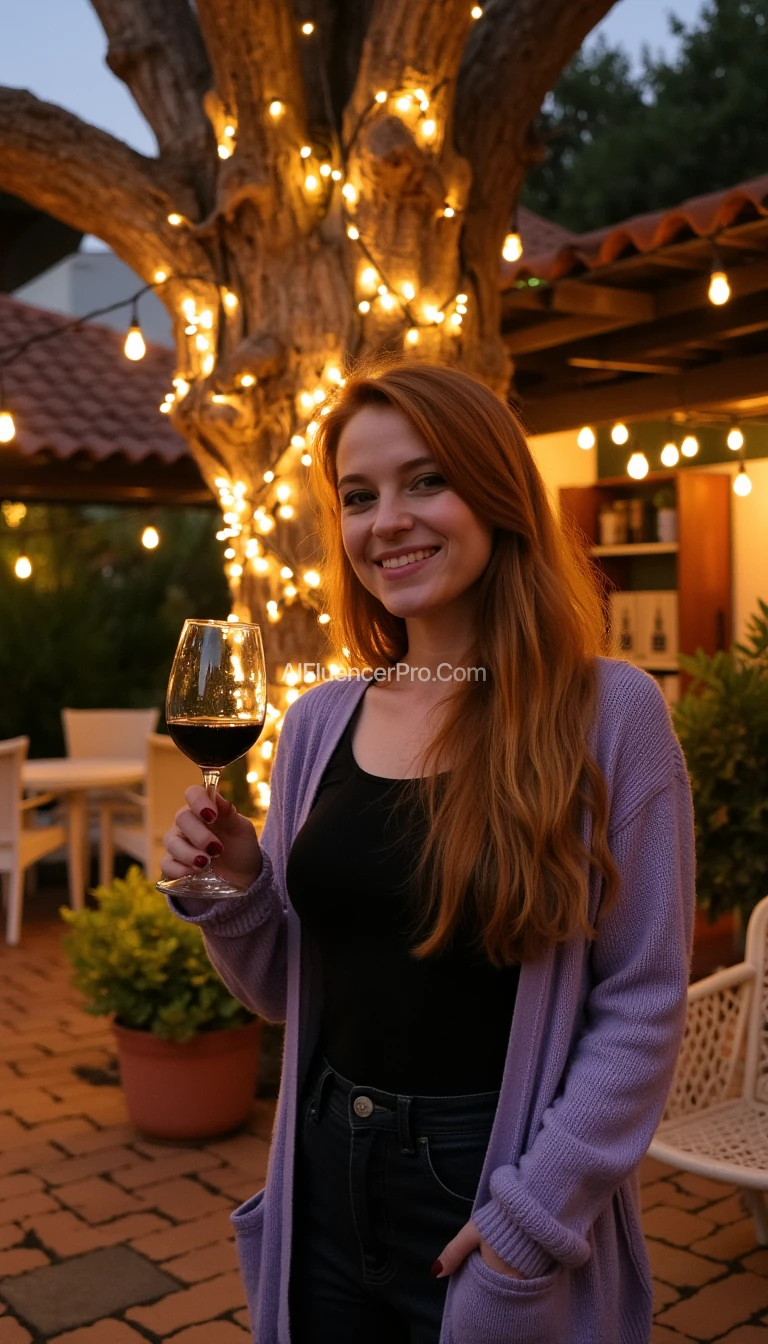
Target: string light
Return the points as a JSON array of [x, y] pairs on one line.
[[310, 182], [637, 466], [150, 538], [230, 300], [7, 427], [307, 29], [690, 446], [276, 108], [670, 455], [476, 12], [412, 336], [586, 438], [349, 193], [742, 485], [735, 440], [23, 567], [160, 276], [352, 232], [448, 212], [135, 346], [513, 247], [619, 434], [175, 219], [247, 380], [409, 291], [305, 151], [719, 291], [381, 96]]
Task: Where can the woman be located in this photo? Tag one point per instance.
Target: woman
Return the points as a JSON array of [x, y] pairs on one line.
[[472, 905]]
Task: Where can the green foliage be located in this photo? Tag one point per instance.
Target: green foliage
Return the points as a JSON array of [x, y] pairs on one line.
[[133, 958], [621, 143], [96, 625], [722, 723]]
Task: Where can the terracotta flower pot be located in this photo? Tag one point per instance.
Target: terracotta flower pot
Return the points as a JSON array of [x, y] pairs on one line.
[[714, 944], [198, 1090]]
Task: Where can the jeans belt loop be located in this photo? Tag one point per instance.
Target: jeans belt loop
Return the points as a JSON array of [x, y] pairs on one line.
[[317, 1099], [403, 1125]]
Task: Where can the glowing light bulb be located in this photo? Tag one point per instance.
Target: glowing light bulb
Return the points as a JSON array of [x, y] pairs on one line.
[[165, 407], [670, 455], [513, 247], [150, 538], [619, 434], [449, 212], [690, 446], [637, 466], [476, 12], [310, 182], [333, 375], [7, 427], [135, 346], [409, 290], [719, 291], [175, 220], [381, 96], [318, 395], [735, 440], [586, 438], [230, 301], [305, 151], [368, 277], [229, 129], [247, 380], [283, 492], [353, 233], [230, 553], [182, 387], [311, 578], [323, 619], [286, 510], [349, 193], [325, 170], [23, 567], [207, 365], [160, 276], [336, 175], [741, 482], [388, 302], [202, 342], [456, 319], [224, 151], [307, 28], [189, 309], [428, 128], [276, 108], [461, 298], [364, 306], [412, 336], [306, 459], [405, 103]]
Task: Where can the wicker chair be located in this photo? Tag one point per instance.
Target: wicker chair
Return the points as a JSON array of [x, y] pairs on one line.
[[716, 1118]]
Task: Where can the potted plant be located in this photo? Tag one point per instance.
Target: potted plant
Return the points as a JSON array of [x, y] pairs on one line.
[[188, 1050], [722, 724]]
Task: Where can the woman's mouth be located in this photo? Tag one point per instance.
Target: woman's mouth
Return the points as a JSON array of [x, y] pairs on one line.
[[407, 562]]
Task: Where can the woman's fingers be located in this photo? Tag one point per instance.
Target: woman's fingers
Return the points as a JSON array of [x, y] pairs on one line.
[[194, 830], [191, 855]]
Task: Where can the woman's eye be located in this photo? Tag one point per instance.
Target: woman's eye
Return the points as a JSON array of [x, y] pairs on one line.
[[358, 496], [353, 497], [433, 477]]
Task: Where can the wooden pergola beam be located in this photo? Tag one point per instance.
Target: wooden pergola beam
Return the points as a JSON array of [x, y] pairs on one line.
[[702, 389]]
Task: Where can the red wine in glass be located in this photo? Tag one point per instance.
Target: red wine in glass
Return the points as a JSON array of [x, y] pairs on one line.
[[215, 710]]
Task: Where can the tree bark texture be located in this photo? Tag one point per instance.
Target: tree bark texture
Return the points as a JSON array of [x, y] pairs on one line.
[[270, 254]]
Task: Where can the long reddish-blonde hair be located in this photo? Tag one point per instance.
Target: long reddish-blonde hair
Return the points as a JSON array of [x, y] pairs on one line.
[[504, 837]]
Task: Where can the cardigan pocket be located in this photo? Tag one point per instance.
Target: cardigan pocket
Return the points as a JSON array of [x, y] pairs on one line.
[[248, 1223], [488, 1307]]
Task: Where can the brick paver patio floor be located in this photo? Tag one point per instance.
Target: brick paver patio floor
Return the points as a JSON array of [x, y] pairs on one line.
[[144, 1226]]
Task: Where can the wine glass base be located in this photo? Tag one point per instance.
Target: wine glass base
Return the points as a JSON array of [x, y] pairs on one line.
[[203, 886]]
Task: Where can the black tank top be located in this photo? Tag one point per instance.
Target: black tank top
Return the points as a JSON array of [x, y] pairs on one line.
[[438, 1026]]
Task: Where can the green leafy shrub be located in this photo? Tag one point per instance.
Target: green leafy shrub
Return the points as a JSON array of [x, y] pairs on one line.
[[133, 958], [722, 723]]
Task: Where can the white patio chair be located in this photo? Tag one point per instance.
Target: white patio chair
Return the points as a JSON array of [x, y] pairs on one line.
[[21, 844], [169, 773], [113, 733], [716, 1118]]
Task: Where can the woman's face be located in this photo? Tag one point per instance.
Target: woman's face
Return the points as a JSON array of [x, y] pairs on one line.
[[398, 509]]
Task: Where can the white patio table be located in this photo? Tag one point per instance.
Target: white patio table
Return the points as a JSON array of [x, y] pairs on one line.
[[72, 777]]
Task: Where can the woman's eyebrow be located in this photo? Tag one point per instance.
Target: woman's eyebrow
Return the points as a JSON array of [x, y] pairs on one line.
[[404, 466]]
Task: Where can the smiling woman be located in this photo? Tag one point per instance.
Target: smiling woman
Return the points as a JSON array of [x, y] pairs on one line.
[[472, 904]]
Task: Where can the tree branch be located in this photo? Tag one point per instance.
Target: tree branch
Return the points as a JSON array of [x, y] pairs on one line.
[[90, 180], [156, 49], [513, 57]]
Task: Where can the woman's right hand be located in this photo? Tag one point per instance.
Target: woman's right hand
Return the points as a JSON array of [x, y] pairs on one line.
[[201, 838]]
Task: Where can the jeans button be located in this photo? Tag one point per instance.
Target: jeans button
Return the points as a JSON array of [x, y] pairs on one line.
[[362, 1106]]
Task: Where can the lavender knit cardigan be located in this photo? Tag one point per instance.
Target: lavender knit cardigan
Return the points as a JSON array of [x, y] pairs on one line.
[[592, 1048]]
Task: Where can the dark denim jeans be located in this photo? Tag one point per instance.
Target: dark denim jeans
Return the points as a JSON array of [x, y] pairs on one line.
[[382, 1183]]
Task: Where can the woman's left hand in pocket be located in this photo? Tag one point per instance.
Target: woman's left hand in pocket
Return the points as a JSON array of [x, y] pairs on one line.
[[456, 1252]]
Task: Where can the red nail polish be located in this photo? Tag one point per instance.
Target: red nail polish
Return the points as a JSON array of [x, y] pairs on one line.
[[214, 848], [436, 1269], [200, 861], [208, 814]]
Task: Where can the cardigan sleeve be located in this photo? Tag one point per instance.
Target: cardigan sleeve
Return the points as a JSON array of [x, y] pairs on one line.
[[612, 1095], [246, 937]]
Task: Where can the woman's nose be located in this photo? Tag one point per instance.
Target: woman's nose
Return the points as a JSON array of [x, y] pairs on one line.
[[392, 515]]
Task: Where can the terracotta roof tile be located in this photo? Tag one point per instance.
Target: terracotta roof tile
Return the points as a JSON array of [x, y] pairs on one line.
[[78, 393], [702, 216]]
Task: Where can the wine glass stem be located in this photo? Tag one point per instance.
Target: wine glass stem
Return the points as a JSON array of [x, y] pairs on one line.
[[211, 780]]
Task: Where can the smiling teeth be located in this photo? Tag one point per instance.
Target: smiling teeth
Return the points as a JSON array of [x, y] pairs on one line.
[[398, 561]]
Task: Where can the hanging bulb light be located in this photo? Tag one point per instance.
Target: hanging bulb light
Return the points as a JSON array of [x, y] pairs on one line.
[[670, 455], [23, 567], [735, 440], [150, 538], [513, 246], [586, 438], [637, 466], [690, 446], [741, 482], [719, 291], [7, 427], [619, 434], [135, 346]]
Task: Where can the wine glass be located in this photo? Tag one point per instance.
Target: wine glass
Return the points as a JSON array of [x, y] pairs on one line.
[[215, 710]]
